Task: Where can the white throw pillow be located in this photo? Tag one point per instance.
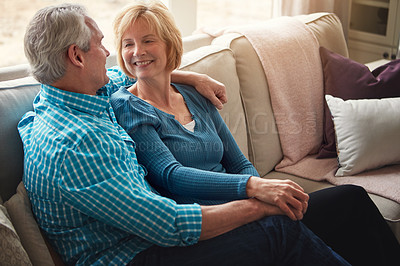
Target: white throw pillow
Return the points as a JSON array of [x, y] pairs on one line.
[[367, 133]]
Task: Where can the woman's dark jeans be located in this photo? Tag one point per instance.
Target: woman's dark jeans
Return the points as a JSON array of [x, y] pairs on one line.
[[348, 221]]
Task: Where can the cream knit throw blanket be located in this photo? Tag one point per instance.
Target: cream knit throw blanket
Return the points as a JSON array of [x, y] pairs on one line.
[[289, 53]]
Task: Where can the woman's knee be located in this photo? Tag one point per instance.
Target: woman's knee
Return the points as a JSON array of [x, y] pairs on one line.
[[352, 188], [340, 195], [353, 194]]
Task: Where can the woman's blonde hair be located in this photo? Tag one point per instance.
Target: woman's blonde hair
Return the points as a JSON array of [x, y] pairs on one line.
[[160, 20]]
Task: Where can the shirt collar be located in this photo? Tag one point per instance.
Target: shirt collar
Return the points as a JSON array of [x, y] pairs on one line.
[[92, 104]]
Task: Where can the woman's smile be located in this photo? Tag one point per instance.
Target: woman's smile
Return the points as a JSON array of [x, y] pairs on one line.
[[143, 63]]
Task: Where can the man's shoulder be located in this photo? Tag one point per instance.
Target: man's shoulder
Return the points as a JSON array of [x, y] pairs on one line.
[[117, 79], [60, 126], [115, 73]]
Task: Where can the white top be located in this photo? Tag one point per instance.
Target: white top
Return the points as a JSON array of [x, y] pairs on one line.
[[190, 126]]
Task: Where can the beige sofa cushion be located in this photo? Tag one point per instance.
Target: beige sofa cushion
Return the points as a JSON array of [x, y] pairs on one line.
[[219, 63], [19, 208], [192, 42], [264, 146], [12, 251], [390, 209], [327, 28]]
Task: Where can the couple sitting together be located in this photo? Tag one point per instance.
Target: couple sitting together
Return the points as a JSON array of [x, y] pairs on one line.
[[131, 167]]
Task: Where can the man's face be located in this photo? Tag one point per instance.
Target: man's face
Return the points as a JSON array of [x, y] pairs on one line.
[[96, 58]]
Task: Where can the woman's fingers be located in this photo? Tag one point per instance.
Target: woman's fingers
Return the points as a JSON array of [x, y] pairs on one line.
[[285, 194]]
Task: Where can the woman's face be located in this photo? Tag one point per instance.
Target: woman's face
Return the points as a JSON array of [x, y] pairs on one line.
[[143, 52]]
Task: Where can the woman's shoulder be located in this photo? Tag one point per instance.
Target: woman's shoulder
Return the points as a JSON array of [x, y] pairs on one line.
[[131, 111], [192, 95], [122, 98]]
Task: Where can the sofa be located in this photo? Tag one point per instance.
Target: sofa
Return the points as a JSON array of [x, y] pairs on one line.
[[225, 55]]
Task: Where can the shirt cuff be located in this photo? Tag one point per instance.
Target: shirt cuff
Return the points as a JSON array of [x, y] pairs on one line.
[[188, 220], [243, 186]]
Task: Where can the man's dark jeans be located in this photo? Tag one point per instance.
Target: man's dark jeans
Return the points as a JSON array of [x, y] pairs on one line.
[[274, 240]]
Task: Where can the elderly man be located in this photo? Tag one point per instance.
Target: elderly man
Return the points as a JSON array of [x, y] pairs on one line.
[[90, 195]]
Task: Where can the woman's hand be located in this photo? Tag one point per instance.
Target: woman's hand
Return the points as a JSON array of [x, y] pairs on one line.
[[284, 194]]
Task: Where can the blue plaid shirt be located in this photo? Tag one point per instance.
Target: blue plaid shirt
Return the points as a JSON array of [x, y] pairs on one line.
[[87, 190]]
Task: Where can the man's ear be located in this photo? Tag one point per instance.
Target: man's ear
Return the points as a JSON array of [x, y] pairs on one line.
[[75, 55]]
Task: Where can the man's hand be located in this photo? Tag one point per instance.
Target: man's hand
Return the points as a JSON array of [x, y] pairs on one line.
[[210, 88], [219, 219], [284, 194]]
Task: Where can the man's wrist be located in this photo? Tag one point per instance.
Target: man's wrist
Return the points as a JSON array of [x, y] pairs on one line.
[[197, 78], [185, 77]]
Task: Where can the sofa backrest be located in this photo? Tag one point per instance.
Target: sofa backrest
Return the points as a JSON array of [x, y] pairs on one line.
[[17, 91], [263, 139], [14, 72], [328, 30], [219, 63], [16, 99]]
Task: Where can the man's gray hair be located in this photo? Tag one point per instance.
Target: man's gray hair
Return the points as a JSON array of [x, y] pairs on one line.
[[49, 35]]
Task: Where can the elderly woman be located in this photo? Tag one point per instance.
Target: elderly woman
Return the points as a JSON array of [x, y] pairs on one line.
[[191, 156]]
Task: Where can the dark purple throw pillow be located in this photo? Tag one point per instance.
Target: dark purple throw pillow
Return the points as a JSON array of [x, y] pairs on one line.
[[349, 80]]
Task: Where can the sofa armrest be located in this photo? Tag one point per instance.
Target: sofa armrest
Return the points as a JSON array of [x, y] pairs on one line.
[[14, 72]]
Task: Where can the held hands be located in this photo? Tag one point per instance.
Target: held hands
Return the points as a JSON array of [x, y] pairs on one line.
[[286, 195], [211, 89], [267, 209]]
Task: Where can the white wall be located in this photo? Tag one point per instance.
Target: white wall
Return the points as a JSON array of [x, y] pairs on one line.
[[185, 14]]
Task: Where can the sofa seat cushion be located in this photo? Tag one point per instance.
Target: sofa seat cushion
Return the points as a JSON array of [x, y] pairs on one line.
[[389, 209]]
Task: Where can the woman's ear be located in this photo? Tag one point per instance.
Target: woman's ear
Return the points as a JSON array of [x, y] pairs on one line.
[[75, 55]]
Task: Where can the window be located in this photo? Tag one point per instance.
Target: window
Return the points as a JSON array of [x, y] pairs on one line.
[[16, 14], [220, 13]]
